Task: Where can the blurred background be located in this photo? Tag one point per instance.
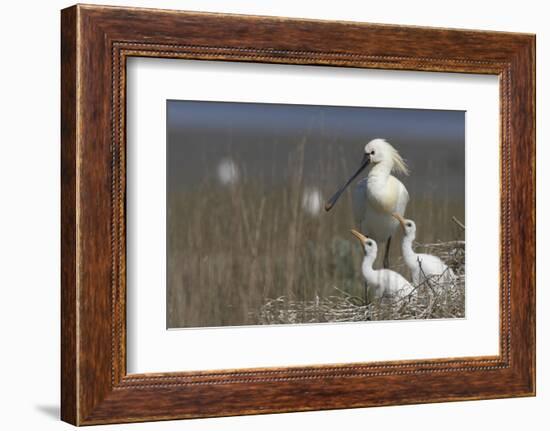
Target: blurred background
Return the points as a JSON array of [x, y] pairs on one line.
[[246, 186]]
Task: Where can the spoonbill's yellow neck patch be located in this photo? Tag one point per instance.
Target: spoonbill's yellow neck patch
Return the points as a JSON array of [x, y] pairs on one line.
[[384, 195]]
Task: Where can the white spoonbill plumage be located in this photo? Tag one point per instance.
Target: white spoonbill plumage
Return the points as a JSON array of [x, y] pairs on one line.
[[378, 195], [422, 266], [381, 282]]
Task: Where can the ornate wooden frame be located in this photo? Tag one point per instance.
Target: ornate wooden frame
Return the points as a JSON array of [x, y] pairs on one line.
[[95, 42]]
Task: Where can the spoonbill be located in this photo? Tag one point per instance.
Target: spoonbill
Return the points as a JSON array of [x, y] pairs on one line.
[[381, 282], [421, 265], [378, 195]]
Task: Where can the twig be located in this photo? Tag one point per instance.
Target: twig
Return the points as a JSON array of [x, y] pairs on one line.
[[459, 223]]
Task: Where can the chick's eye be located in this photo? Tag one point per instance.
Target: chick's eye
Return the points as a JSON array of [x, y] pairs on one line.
[[409, 225], [372, 152]]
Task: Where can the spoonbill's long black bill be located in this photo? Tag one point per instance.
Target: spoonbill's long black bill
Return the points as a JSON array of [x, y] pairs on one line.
[[330, 203]]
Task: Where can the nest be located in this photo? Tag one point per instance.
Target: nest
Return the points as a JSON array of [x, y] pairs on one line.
[[434, 298]]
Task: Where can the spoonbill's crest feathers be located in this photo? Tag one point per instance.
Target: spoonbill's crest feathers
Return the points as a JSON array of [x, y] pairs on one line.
[[384, 151]]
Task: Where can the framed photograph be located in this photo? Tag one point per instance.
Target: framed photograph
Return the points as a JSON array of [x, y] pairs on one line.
[[266, 215]]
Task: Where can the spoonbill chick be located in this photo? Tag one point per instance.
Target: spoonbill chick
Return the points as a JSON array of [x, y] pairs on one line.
[[422, 266], [379, 194], [381, 282]]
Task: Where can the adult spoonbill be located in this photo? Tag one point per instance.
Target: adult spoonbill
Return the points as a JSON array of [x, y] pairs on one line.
[[422, 266], [378, 195], [381, 282]]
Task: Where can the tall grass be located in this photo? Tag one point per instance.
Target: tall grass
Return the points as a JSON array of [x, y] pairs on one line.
[[234, 248]]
